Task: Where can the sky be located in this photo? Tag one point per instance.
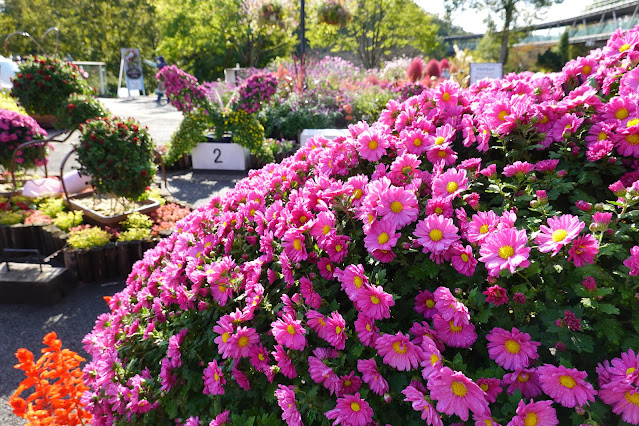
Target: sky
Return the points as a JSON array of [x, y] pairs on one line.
[[473, 21]]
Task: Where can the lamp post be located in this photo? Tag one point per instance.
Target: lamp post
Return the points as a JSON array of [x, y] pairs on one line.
[[302, 45]]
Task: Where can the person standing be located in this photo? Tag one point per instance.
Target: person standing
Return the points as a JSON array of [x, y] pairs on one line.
[[160, 63]]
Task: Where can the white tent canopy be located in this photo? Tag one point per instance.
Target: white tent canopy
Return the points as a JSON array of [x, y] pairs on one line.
[[8, 69]]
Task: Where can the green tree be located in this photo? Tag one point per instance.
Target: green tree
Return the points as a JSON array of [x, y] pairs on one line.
[[375, 27], [508, 11]]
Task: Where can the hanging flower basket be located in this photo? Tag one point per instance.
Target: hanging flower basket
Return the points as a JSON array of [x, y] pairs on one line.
[[333, 13], [271, 13]]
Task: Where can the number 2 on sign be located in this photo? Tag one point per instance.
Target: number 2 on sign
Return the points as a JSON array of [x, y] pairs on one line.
[[219, 153]]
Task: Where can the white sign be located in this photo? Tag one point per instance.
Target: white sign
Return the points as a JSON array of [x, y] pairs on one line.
[[131, 66], [480, 71], [327, 133], [220, 156]]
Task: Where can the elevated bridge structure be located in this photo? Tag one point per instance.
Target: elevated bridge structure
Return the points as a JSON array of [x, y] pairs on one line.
[[592, 27]]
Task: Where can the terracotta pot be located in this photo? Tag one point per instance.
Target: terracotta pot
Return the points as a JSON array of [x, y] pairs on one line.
[[46, 121]]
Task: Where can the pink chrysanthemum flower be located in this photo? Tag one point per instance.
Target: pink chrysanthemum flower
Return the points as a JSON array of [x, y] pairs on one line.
[[372, 144], [317, 322], [450, 184], [496, 295], [432, 362], [449, 308], [381, 235], [221, 419], [425, 304], [319, 371], [335, 334], [240, 378], [367, 331], [623, 397], [225, 330], [560, 231], [289, 332], [501, 117], [546, 166], [566, 385], [404, 168], [567, 125], [349, 384], [462, 259], [353, 279], [370, 376], [213, 379], [456, 336], [323, 226], [284, 362], [525, 380], [518, 169], [420, 403], [481, 226], [293, 245], [457, 394], [439, 206], [242, 341], [259, 358], [337, 247], [312, 298], [436, 234], [351, 410], [491, 386], [583, 250], [398, 206], [398, 351], [286, 400], [374, 302], [415, 141], [357, 185], [441, 155], [505, 249], [446, 94], [513, 349], [539, 413], [628, 140]]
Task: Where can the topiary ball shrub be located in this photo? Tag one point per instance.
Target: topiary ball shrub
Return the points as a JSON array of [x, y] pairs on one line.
[[118, 155], [471, 257]]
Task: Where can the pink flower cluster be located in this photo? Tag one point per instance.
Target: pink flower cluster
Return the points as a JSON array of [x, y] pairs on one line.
[[255, 91], [291, 276]]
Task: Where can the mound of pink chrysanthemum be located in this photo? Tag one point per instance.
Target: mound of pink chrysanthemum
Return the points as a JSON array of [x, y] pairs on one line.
[[471, 256]]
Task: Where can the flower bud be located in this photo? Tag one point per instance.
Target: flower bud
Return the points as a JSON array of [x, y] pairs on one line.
[[559, 323], [387, 398], [583, 205], [561, 173], [560, 346], [534, 204]]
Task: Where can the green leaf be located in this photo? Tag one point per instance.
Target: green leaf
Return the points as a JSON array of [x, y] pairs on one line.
[[607, 308]]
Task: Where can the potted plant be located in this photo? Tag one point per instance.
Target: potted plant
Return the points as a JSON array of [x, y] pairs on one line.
[[332, 12], [118, 155], [271, 13], [43, 85], [77, 109], [16, 129]]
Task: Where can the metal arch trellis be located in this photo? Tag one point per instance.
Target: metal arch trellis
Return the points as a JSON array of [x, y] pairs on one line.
[[26, 34]]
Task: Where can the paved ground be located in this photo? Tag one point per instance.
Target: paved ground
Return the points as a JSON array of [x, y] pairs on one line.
[[72, 318]]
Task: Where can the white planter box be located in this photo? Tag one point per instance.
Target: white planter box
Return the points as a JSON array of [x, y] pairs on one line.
[[327, 133], [220, 156]]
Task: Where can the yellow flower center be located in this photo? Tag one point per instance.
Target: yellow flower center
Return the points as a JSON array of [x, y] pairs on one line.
[[544, 120], [355, 406], [439, 210], [252, 212], [436, 235], [396, 207], [328, 267], [383, 238], [621, 113], [260, 356], [633, 139], [632, 122], [357, 281], [290, 329], [439, 140], [338, 248], [217, 377], [243, 341], [357, 194], [484, 229], [221, 288], [417, 142], [630, 370], [567, 381], [225, 336], [531, 419], [483, 387], [446, 97], [601, 136], [624, 47], [512, 346], [502, 115], [505, 252], [523, 378], [368, 327], [434, 359], [338, 329], [464, 257], [348, 383], [442, 154], [326, 229], [632, 398], [372, 145], [459, 388], [400, 348], [430, 303], [454, 328], [587, 69], [297, 245], [375, 300], [451, 187], [559, 235], [406, 170]]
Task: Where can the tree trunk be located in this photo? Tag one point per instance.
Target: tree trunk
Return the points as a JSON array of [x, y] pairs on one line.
[[509, 8]]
